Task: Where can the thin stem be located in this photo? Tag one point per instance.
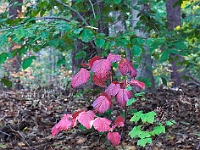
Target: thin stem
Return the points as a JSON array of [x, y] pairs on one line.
[[5, 133], [92, 9], [75, 11], [20, 135], [123, 128]]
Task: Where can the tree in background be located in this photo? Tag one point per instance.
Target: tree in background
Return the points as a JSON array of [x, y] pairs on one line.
[[15, 11], [84, 29], [174, 20]]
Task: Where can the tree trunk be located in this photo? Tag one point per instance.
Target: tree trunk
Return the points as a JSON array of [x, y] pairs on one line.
[[14, 12], [173, 20], [144, 69]]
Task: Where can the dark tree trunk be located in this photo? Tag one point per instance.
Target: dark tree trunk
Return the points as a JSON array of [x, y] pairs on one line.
[[173, 20], [90, 49], [14, 12]]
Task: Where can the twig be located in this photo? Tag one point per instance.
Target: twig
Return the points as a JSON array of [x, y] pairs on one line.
[[5, 133], [92, 9], [20, 135], [79, 15], [52, 17], [123, 128]]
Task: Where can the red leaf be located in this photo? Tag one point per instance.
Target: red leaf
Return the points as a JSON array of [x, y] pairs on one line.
[[101, 68], [86, 118], [112, 89], [99, 81], [102, 124], [65, 123], [80, 78], [123, 96], [137, 83], [84, 65], [125, 67], [92, 60], [119, 122], [75, 115], [101, 104], [114, 138], [113, 57]]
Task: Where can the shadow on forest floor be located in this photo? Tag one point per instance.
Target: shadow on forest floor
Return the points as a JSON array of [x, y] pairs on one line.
[[25, 123]]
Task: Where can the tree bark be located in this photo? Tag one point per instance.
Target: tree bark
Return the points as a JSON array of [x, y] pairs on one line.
[[173, 20], [14, 12], [144, 69]]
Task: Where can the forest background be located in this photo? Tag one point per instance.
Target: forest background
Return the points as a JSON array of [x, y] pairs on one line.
[[43, 43]]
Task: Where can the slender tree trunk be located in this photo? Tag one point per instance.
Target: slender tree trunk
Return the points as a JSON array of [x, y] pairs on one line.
[[173, 20], [14, 12], [144, 69]]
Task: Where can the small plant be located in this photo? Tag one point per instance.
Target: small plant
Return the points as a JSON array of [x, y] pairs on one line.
[[116, 90]]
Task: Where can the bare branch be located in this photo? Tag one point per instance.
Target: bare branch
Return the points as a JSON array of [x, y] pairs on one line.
[[72, 9]]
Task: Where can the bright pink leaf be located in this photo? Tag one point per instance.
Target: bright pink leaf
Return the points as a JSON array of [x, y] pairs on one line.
[[102, 124], [113, 57], [123, 96], [119, 121], [114, 138], [101, 104], [101, 68], [137, 83], [92, 60], [112, 89], [64, 124], [86, 118], [126, 68], [80, 78]]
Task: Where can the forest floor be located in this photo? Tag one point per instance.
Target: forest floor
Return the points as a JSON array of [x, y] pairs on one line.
[[26, 123]]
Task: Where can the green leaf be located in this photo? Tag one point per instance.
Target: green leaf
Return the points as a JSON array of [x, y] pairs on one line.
[[158, 130], [3, 57], [130, 101], [139, 94], [21, 33], [99, 42], [148, 117], [136, 117], [82, 127], [164, 56], [3, 39], [117, 1], [164, 81], [2, 146], [135, 132], [170, 123], [143, 142], [87, 35], [129, 87], [6, 82], [137, 50], [80, 54], [27, 62]]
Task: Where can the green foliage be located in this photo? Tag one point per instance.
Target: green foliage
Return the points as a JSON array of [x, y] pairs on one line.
[[27, 62], [145, 136], [6, 82], [3, 146]]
